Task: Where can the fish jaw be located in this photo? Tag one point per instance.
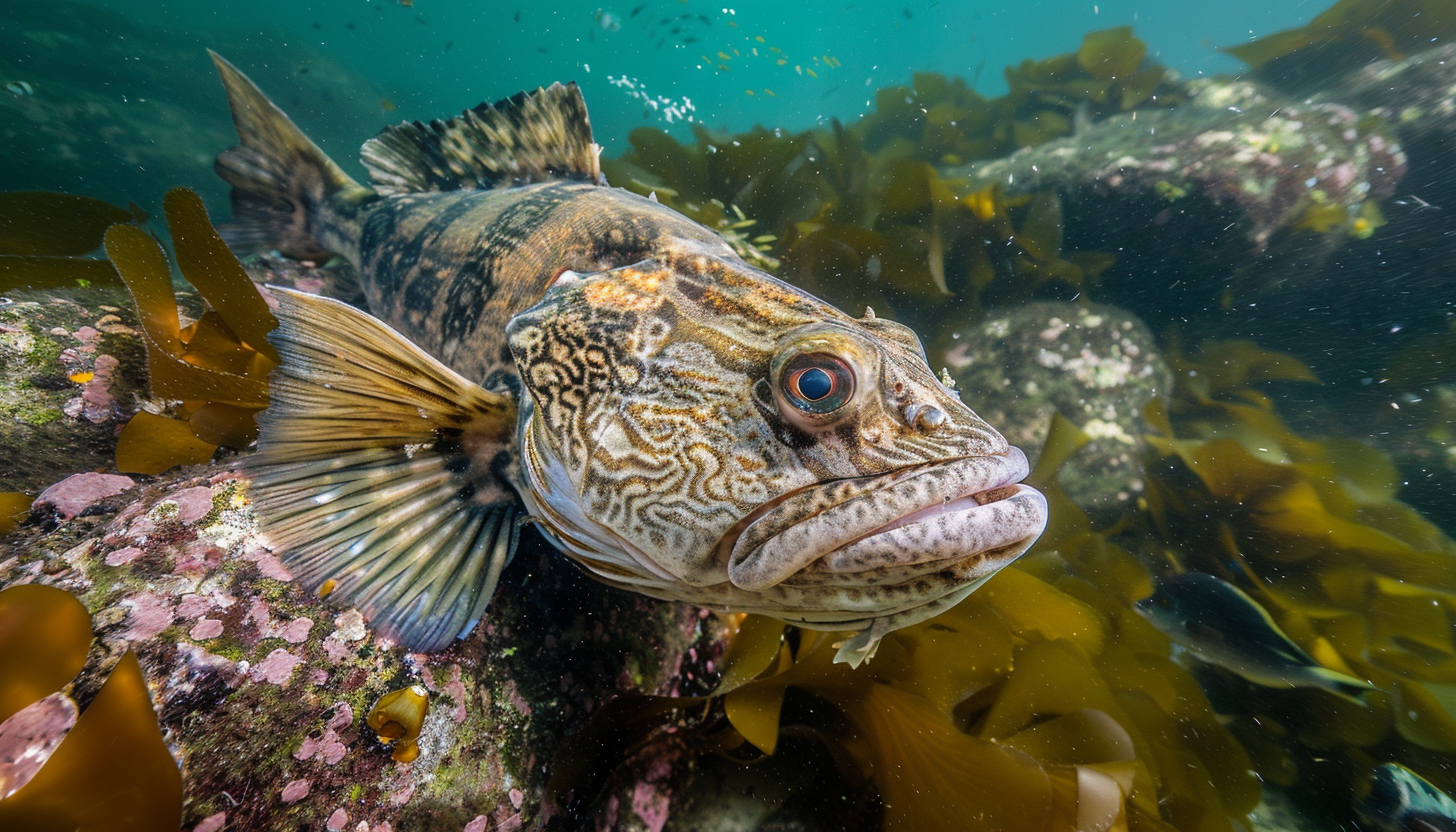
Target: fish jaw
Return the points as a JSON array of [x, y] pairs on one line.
[[962, 519]]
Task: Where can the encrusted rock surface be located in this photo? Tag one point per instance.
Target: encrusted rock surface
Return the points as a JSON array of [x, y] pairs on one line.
[[262, 690], [71, 374], [1239, 170], [1095, 364]]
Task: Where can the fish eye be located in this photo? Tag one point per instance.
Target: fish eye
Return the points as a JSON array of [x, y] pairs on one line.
[[816, 384]]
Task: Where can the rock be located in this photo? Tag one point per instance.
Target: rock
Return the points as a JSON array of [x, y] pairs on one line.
[[72, 371], [1095, 364], [262, 689], [75, 493], [1190, 193]]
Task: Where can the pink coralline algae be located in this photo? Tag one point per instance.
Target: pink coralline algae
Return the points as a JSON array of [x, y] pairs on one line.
[[205, 629], [211, 823], [193, 504], [327, 748], [150, 615], [337, 821], [478, 824], [651, 806], [75, 493], [267, 563], [123, 556], [277, 667], [296, 630], [296, 791]]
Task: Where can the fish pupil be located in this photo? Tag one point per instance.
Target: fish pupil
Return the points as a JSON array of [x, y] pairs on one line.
[[815, 384]]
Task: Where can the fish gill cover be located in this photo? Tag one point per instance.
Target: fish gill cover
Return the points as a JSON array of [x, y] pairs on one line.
[[1044, 699]]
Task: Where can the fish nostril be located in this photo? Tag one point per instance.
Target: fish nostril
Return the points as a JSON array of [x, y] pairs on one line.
[[925, 418]]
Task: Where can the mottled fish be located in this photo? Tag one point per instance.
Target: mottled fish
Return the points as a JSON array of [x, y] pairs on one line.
[[1219, 623], [1402, 801], [680, 423]]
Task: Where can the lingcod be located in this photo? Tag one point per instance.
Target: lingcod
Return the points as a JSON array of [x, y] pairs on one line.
[[536, 343]]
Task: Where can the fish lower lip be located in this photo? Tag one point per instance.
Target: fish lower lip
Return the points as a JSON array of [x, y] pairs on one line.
[[897, 525]]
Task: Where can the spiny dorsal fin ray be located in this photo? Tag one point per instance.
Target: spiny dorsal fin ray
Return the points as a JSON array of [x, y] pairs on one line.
[[282, 183], [530, 137], [366, 478]]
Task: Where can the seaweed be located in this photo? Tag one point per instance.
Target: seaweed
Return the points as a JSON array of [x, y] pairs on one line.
[[1345, 36], [1314, 531], [215, 369], [112, 771]]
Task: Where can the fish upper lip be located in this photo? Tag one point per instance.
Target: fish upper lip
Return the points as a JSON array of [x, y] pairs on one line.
[[813, 529]]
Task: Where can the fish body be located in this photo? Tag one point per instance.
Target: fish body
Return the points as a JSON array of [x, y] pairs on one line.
[[679, 422], [1222, 625], [1402, 801]]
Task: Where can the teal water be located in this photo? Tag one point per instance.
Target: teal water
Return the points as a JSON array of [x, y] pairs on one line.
[[440, 56]]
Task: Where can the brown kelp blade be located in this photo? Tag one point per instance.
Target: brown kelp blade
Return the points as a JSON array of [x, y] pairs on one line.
[[208, 265], [44, 635], [112, 772], [51, 224]]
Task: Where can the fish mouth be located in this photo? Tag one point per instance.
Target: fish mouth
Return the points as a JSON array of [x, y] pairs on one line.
[[889, 542]]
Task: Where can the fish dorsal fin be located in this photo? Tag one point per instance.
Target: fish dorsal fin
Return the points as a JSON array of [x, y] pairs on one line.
[[530, 137]]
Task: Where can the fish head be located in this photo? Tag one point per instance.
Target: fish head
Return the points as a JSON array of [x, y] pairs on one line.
[[702, 431]]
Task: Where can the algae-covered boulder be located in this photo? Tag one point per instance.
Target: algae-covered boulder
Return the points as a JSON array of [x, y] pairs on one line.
[[263, 690], [1095, 364]]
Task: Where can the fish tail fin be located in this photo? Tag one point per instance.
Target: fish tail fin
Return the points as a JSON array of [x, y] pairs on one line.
[[380, 477], [287, 195], [1343, 685]]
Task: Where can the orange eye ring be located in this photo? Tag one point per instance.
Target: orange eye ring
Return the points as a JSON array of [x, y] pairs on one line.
[[817, 384]]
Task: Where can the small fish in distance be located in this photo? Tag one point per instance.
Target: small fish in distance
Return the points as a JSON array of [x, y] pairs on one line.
[[1220, 624], [1402, 801]]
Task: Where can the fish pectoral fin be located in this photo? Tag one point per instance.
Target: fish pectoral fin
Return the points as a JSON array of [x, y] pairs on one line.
[[373, 478], [538, 136]]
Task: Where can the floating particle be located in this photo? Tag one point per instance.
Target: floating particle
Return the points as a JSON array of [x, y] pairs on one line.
[[812, 73]]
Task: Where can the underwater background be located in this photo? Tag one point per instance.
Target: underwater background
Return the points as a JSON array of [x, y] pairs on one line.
[[1195, 258]]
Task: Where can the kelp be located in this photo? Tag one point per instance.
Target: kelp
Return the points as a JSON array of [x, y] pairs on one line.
[[210, 375], [112, 771], [397, 717], [1346, 36], [216, 368], [45, 236], [1312, 530], [858, 228]]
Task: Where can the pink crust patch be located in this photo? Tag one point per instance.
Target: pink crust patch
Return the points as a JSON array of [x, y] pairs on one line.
[[650, 805], [328, 747], [455, 689], [205, 629], [517, 798], [124, 556], [267, 564], [296, 791], [337, 821], [477, 824], [150, 615], [278, 667], [193, 504], [297, 630], [402, 796], [194, 605], [73, 494], [343, 716], [211, 823]]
